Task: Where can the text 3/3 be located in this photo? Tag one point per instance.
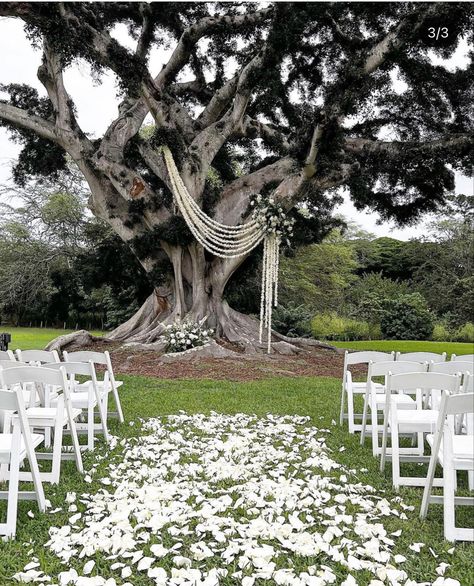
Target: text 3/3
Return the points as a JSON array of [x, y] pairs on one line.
[[438, 33]]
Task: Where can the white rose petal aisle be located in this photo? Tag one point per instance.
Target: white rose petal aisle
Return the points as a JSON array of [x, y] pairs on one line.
[[200, 500], [268, 223]]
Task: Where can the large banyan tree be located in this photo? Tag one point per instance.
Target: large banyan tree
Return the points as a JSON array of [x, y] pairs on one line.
[[292, 100]]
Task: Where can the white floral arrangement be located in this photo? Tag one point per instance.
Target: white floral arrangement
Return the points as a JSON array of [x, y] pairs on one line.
[[185, 335], [271, 216]]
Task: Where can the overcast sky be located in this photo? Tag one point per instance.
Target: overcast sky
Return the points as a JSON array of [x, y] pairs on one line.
[[97, 107]]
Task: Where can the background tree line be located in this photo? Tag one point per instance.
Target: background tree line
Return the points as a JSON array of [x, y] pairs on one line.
[[60, 265]]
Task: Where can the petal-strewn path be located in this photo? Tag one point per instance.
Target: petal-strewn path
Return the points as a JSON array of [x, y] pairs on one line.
[[209, 500]]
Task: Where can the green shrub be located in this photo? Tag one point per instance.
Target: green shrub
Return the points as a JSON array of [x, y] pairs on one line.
[[465, 333], [330, 326], [292, 320], [327, 326], [375, 332], [441, 333], [406, 319]]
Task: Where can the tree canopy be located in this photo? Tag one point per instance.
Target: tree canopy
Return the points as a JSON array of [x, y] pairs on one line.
[[296, 100]]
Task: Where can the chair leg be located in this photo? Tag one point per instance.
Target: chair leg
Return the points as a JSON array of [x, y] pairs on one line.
[[341, 414], [448, 501], [350, 411], [383, 452], [364, 417], [395, 455], [57, 448], [90, 427], [118, 404], [103, 418], [13, 483], [428, 486], [76, 445]]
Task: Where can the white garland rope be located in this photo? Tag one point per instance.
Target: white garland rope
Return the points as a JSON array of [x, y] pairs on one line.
[[231, 241]]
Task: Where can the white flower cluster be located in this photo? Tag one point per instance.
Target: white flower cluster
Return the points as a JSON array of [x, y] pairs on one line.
[[207, 500], [185, 335], [271, 216]]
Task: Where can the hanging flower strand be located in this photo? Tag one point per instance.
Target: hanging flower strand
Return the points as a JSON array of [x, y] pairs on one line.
[[268, 223]]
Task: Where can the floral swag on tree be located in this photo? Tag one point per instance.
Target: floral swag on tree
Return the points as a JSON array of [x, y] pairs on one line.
[[268, 222]]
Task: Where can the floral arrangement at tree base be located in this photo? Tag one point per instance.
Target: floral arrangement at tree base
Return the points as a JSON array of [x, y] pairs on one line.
[[186, 335]]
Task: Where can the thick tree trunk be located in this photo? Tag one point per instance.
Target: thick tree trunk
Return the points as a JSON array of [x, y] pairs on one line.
[[195, 292]]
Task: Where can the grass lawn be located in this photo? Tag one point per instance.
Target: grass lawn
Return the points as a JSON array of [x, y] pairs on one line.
[[317, 397], [409, 346], [34, 338]]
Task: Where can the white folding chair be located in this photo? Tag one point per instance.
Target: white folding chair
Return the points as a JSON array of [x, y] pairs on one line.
[[30, 395], [7, 355], [453, 452], [421, 356], [108, 383], [41, 356], [351, 388], [15, 447], [463, 358], [375, 398], [55, 417], [86, 396], [414, 421]]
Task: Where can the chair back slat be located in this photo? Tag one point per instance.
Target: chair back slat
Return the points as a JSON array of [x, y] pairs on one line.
[[7, 355], [423, 380], [8, 401], [383, 368], [421, 356], [463, 358], [368, 356], [85, 356], [82, 368], [32, 374], [4, 364], [451, 367], [460, 404], [37, 356]]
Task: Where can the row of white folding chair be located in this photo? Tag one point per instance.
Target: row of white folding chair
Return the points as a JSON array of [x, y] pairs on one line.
[[64, 410], [453, 452], [15, 447], [102, 358], [57, 416], [87, 396], [374, 399], [351, 388]]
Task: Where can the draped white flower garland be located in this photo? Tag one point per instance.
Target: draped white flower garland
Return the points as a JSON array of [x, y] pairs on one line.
[[268, 223]]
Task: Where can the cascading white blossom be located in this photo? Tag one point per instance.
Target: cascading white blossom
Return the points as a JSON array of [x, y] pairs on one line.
[[233, 241]]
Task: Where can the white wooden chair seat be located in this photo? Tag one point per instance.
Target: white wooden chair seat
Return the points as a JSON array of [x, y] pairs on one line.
[[41, 415], [403, 401], [463, 451], [6, 440], [100, 384], [424, 420], [359, 388], [80, 400]]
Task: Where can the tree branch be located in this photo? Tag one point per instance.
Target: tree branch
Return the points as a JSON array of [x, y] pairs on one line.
[[21, 118], [360, 146]]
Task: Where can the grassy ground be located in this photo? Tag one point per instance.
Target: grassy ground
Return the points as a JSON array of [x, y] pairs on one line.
[[34, 338], [316, 397], [409, 346]]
